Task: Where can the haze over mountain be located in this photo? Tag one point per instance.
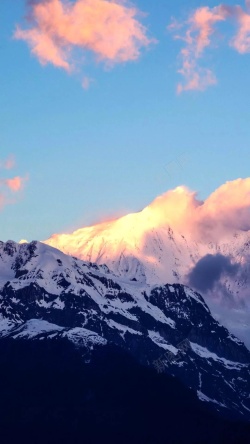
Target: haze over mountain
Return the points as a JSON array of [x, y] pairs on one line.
[[180, 239]]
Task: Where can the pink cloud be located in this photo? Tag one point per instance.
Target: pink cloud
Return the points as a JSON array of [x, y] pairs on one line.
[[200, 28], [224, 211], [10, 186], [43, 47], [197, 78], [15, 184], [241, 41], [198, 36], [109, 29], [228, 208]]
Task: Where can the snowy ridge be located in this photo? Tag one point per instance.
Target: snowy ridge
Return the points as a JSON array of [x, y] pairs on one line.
[[145, 247], [40, 329], [206, 354]]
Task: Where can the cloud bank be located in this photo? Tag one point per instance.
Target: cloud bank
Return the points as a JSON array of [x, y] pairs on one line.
[[224, 212], [199, 33], [109, 29]]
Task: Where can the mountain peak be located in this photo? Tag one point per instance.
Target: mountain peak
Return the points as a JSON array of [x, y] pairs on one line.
[[165, 241]]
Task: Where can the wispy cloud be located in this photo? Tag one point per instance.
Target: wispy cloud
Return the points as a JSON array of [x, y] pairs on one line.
[[109, 29], [241, 41], [198, 33], [199, 30]]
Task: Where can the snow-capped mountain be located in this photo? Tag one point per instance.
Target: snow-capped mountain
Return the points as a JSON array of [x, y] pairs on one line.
[[46, 294], [153, 247]]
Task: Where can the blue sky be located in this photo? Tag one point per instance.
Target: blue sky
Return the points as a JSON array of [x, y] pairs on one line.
[[111, 149]]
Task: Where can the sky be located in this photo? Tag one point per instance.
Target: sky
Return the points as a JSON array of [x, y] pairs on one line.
[[107, 104]]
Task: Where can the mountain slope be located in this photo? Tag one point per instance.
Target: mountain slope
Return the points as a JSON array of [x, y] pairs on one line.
[[154, 247], [45, 294]]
